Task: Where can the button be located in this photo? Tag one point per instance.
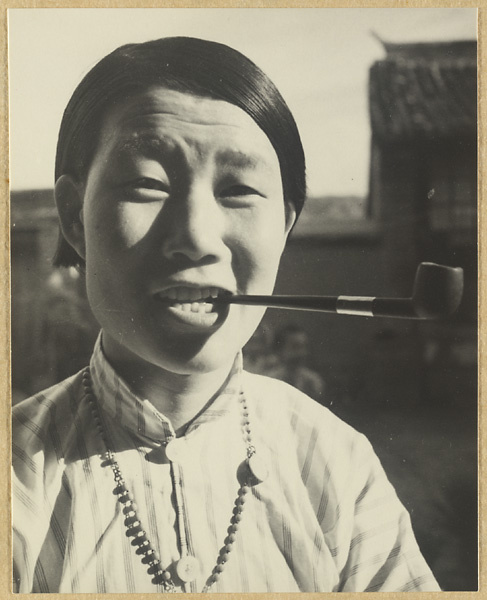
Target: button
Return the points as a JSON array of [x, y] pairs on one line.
[[187, 568], [258, 467], [175, 450]]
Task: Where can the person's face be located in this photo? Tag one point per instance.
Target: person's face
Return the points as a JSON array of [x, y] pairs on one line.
[[183, 200], [295, 348]]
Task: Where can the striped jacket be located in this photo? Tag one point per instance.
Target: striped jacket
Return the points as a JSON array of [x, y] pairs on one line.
[[325, 519]]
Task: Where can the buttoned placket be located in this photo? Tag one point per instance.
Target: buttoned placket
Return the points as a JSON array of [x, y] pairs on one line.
[[174, 450], [146, 422]]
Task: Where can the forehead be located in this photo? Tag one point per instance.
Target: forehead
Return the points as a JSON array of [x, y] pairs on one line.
[[160, 118]]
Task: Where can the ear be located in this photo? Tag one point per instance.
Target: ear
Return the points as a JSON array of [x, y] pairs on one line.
[[290, 217], [68, 194]]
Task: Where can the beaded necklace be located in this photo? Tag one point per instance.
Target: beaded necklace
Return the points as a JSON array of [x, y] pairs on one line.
[[186, 568]]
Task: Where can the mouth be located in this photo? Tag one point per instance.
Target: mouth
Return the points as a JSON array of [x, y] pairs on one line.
[[187, 299]]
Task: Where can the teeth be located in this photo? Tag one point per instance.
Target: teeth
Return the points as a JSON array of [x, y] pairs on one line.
[[190, 296], [195, 307]]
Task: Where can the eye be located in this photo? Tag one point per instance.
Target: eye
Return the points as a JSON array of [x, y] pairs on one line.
[[147, 183], [239, 190]]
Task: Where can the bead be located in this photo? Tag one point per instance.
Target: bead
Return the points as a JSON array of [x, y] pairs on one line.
[[154, 569], [219, 568], [215, 577], [224, 557], [230, 538], [132, 521], [228, 548], [237, 518], [166, 575], [142, 549], [125, 497], [149, 559], [129, 508], [158, 577], [139, 539], [134, 531]]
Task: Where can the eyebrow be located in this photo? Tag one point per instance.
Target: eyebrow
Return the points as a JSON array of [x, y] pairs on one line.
[[240, 160], [152, 146], [155, 147]]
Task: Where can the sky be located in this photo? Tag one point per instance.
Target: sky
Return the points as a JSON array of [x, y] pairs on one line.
[[319, 58]]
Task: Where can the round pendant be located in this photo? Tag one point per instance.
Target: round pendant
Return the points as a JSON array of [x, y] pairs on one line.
[[187, 568], [258, 467]]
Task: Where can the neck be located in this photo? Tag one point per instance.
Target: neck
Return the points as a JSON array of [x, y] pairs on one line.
[[179, 397]]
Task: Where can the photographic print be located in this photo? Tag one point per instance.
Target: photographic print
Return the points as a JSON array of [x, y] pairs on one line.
[[244, 300]]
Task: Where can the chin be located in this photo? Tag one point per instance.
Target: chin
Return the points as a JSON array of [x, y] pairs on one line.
[[204, 361], [191, 357]]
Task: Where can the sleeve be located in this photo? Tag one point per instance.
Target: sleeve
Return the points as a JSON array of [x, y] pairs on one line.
[[377, 550], [35, 483]]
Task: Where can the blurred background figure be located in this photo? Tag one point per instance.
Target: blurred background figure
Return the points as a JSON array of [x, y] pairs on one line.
[[291, 345], [258, 355]]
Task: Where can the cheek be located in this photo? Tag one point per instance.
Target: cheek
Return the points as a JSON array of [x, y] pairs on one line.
[[117, 227], [260, 242], [134, 221]]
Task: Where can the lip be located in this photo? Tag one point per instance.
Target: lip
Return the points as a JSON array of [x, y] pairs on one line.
[[192, 305]]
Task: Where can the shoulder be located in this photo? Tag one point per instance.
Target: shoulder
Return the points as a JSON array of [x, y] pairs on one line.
[[284, 410], [44, 420]]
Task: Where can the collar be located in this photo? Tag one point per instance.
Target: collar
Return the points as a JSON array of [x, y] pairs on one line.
[[139, 415]]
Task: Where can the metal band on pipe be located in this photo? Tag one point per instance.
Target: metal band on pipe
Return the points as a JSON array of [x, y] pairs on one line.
[[355, 305]]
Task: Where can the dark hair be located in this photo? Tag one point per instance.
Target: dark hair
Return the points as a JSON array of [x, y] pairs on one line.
[[183, 64]]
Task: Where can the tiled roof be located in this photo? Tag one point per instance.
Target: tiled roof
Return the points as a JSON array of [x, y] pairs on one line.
[[424, 91]]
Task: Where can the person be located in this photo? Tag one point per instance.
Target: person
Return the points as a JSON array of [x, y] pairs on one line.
[[291, 345], [163, 466], [257, 354]]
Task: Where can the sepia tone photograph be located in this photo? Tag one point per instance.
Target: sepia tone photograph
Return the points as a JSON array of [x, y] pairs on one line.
[[244, 300]]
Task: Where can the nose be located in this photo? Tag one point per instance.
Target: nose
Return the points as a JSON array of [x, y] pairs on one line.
[[194, 227]]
